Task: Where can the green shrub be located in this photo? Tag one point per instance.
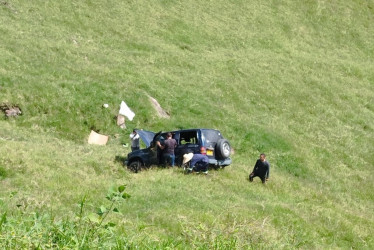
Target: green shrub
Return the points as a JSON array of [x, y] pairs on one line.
[[3, 172]]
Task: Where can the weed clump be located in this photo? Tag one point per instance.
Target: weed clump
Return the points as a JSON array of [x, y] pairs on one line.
[[37, 230]]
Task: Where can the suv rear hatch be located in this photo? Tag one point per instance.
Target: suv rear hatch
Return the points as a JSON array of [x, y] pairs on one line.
[[210, 138], [146, 136]]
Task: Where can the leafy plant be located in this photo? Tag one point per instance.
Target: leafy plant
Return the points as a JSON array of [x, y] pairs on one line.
[[115, 196], [38, 230], [91, 224]]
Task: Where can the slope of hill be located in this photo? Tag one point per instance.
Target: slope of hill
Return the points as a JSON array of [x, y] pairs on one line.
[[292, 79]]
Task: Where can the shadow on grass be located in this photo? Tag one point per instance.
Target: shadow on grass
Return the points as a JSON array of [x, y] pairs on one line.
[[137, 169], [120, 159]]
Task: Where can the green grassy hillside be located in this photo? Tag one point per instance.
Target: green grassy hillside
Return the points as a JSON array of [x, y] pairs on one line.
[[293, 79]]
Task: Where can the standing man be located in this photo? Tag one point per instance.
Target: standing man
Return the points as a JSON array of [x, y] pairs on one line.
[[134, 137], [169, 145], [261, 169], [159, 149]]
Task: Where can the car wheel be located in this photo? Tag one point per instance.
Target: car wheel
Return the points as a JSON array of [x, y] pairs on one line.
[[135, 166], [223, 149]]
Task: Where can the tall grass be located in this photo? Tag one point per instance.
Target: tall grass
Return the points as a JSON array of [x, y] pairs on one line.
[[291, 79]]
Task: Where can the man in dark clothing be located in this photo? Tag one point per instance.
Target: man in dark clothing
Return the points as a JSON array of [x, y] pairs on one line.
[[199, 162], [261, 169], [160, 148], [169, 145]]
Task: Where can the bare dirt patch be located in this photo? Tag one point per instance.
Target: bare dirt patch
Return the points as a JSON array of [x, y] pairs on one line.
[[160, 111], [10, 110]]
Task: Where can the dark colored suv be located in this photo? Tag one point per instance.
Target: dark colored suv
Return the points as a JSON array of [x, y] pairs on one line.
[[199, 141]]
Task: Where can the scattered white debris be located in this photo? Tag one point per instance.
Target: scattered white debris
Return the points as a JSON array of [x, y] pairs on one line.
[[126, 111]]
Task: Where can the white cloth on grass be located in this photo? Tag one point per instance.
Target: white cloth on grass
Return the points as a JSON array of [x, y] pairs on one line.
[[126, 111]]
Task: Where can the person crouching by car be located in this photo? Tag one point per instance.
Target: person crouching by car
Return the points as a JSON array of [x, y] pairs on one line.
[[261, 169], [198, 162]]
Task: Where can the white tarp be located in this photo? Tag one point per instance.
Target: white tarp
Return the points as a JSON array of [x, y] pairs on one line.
[[126, 111]]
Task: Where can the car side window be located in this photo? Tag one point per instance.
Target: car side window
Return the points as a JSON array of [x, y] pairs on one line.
[[187, 138], [176, 137]]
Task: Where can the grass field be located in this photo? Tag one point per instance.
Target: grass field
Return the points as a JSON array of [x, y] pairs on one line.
[[294, 80]]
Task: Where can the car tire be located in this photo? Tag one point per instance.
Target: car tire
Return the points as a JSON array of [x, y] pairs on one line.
[[223, 149], [135, 166]]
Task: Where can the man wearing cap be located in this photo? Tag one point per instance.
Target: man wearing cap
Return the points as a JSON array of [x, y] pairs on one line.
[[261, 169], [199, 162]]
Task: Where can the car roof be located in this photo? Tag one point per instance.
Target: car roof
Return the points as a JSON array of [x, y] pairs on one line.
[[148, 136], [192, 129]]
